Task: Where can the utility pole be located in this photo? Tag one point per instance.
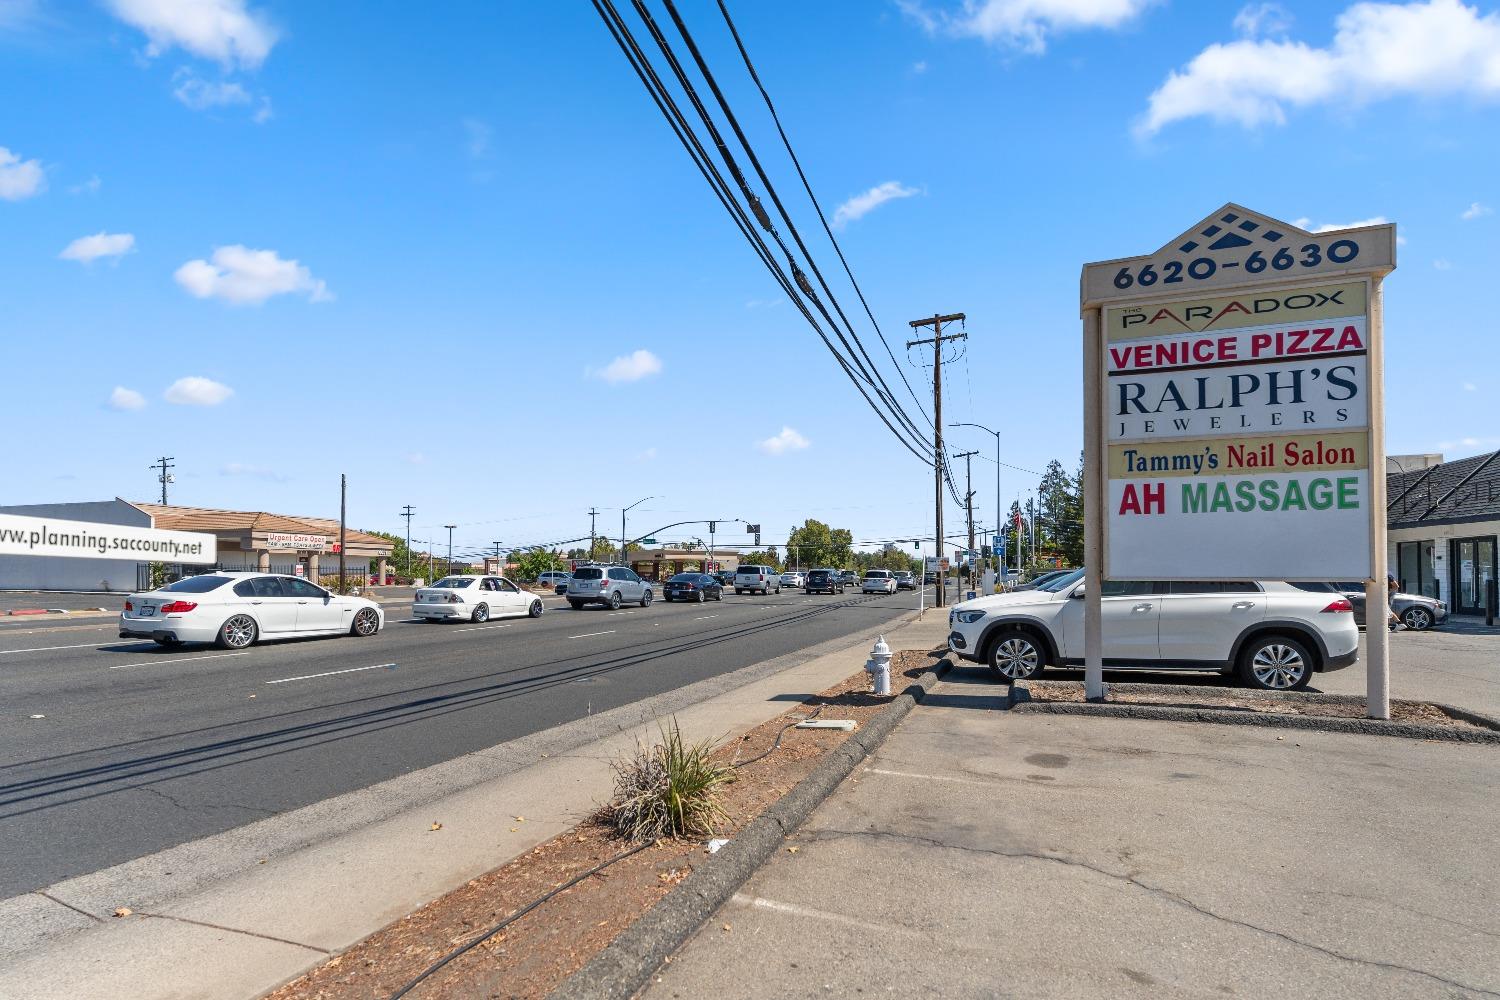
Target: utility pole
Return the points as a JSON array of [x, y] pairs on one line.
[[593, 535], [343, 517], [499, 566], [968, 457], [407, 514], [165, 477], [450, 528], [938, 459]]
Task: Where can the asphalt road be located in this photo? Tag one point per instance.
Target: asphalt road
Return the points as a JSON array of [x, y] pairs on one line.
[[111, 749]]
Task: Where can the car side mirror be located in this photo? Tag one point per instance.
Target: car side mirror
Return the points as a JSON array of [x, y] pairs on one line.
[[1077, 593]]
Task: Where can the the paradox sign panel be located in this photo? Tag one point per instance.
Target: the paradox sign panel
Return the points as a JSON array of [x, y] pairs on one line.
[[1237, 402]]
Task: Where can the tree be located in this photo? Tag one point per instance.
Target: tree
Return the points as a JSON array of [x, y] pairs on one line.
[[533, 563], [764, 557], [816, 544], [401, 559]]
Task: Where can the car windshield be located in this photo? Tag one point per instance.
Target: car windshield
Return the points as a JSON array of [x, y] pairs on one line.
[[1063, 582], [196, 584], [453, 582], [588, 573]]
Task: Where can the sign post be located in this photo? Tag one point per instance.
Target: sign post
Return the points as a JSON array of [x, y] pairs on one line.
[[1234, 416]]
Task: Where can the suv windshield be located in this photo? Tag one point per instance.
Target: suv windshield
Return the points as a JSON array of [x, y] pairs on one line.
[[196, 584], [1063, 582], [588, 573], [454, 582]]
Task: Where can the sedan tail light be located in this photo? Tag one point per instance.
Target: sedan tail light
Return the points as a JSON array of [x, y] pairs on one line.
[[454, 598], [1339, 605], [178, 607], [129, 606]]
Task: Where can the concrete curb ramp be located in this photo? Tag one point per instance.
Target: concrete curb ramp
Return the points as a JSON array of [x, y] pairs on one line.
[[623, 968], [1020, 700]]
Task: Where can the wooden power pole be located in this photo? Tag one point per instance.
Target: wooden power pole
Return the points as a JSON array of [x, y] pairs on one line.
[[938, 459]]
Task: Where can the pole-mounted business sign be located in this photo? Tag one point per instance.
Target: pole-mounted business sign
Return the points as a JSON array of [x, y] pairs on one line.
[[1234, 405]]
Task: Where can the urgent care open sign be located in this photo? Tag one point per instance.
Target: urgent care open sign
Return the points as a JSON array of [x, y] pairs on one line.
[[1240, 390]]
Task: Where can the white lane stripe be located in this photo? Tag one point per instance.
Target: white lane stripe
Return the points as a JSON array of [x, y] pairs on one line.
[[162, 660], [86, 645], [332, 673], [704, 617], [481, 628], [587, 635]]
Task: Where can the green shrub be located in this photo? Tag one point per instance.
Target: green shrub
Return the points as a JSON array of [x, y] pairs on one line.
[[668, 789]]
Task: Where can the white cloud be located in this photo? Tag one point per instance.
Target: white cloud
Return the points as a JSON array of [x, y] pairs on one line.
[[20, 178], [1023, 24], [254, 471], [1380, 50], [628, 367], [195, 390], [226, 31], [90, 186], [919, 67], [787, 440], [126, 399], [861, 205], [1258, 19], [1474, 211], [1443, 264], [1328, 227], [200, 94], [244, 276], [90, 248]]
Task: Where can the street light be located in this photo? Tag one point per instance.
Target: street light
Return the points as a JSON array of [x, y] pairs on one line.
[[450, 528], [999, 515], [622, 524]]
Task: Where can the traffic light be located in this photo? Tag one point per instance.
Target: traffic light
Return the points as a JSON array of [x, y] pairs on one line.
[[713, 526]]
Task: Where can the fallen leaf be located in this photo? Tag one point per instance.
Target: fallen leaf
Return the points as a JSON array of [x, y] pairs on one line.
[[728, 928], [515, 829], [520, 819], [124, 911], [793, 850], [435, 827]]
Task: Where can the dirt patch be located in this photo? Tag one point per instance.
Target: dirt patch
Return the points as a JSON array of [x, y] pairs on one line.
[[1266, 702], [537, 952]]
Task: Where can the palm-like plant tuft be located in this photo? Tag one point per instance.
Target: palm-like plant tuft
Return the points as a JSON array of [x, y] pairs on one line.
[[668, 789]]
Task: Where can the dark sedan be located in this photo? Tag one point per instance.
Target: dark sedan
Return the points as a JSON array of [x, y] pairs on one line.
[[829, 581], [698, 587]]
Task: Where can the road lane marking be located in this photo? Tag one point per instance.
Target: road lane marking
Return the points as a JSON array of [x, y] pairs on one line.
[[701, 618], [173, 659], [481, 628], [86, 645], [332, 673], [587, 635]]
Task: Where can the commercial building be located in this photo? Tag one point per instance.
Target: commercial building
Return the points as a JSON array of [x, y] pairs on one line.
[[662, 563], [1444, 530], [247, 540]]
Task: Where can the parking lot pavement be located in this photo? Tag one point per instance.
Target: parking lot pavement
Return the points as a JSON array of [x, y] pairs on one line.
[[111, 749], [984, 854], [1455, 666]]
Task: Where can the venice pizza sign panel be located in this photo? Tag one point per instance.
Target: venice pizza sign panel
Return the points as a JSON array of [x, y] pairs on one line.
[[1237, 402]]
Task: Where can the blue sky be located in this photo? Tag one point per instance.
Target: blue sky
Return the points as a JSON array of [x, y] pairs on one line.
[[306, 239]]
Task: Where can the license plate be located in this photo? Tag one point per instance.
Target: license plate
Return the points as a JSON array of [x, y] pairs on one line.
[[147, 609]]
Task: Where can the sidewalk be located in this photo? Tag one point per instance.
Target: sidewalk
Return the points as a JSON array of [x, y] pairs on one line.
[[980, 853], [259, 905]]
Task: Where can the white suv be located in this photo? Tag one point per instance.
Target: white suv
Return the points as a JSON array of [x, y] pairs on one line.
[[753, 578], [1272, 635]]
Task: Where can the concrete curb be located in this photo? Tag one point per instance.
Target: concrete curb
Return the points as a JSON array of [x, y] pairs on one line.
[[622, 969], [1020, 700]]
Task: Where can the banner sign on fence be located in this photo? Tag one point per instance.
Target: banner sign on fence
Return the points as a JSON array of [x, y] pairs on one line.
[[41, 536], [1237, 402]]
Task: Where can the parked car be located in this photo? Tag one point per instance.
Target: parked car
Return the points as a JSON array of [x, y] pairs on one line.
[[1270, 634], [473, 598], [849, 577], [724, 576], [753, 578], [1042, 578], [237, 609], [878, 581], [698, 587], [905, 580], [607, 585], [553, 579], [793, 579], [929, 578], [821, 581], [1417, 612]]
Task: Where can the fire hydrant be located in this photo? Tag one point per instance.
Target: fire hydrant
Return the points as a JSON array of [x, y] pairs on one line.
[[878, 666]]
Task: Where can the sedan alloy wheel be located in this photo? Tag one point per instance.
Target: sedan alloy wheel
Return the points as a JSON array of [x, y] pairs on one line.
[[481, 614], [1278, 664], [366, 623], [1417, 618], [1015, 656], [238, 632]]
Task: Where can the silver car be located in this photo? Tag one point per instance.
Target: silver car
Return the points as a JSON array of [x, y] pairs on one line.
[[611, 586]]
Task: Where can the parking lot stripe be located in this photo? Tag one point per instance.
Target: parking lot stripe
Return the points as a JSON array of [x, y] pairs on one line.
[[586, 635], [173, 659], [481, 628], [331, 673], [86, 645]]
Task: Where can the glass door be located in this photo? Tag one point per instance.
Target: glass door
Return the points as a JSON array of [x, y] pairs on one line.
[[1414, 570], [1473, 569]]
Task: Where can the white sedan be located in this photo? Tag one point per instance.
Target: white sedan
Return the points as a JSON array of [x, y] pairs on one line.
[[474, 598], [237, 609], [793, 580], [878, 581]]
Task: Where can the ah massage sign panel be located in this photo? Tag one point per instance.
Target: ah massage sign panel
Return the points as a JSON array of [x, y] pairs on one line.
[[1238, 411]]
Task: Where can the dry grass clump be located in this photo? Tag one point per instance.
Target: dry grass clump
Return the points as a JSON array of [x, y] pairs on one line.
[[668, 789]]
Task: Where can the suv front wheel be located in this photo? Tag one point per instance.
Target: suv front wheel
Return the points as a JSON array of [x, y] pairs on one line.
[[1276, 663], [1015, 656]]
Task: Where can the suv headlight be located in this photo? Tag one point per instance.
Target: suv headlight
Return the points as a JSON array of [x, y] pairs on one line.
[[968, 617]]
